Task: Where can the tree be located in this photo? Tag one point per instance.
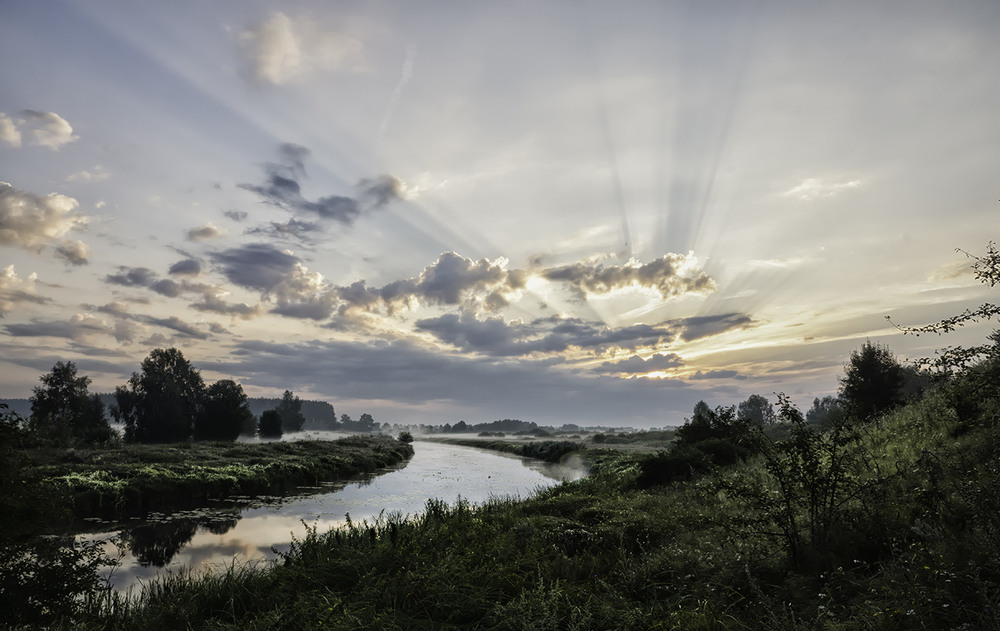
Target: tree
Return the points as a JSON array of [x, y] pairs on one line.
[[872, 383], [757, 410], [290, 411], [224, 412], [366, 423], [826, 411], [160, 404], [270, 424], [63, 411]]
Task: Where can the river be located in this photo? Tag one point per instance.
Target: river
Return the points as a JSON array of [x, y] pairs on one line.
[[213, 538]]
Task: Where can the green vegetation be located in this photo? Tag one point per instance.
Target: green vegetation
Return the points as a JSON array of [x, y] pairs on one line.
[[892, 525], [547, 450], [132, 478]]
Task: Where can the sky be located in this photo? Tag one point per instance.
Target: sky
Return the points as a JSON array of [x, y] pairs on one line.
[[562, 212]]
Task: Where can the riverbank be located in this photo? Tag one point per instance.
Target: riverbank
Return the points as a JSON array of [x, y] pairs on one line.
[[912, 544], [134, 479]]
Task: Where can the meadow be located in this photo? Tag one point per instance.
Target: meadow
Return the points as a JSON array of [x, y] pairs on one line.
[[893, 525]]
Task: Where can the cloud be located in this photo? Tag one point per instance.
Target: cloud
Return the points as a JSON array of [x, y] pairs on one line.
[[78, 327], [48, 128], [186, 267], [496, 337], [204, 233], [74, 252], [817, 188], [282, 49], [97, 174], [671, 275], [282, 189], [291, 228], [213, 302], [8, 131], [236, 215], [706, 326], [258, 266], [399, 381], [636, 365], [33, 221], [15, 291], [717, 374], [132, 277]]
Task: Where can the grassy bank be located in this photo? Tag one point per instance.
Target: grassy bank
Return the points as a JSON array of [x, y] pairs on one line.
[[137, 478], [547, 450], [913, 544]]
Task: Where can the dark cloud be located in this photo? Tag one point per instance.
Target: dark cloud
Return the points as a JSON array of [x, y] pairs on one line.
[[132, 277], [236, 215], [401, 382], [636, 365], [494, 336], [73, 252], [167, 287], [717, 374], [179, 326], [291, 228], [204, 233], [186, 267], [76, 328], [671, 275], [258, 266], [705, 326], [281, 188], [212, 302]]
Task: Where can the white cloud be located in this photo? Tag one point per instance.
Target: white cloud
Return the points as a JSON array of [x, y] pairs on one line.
[[33, 221], [48, 128], [8, 131], [15, 290], [815, 188], [281, 49], [97, 174]]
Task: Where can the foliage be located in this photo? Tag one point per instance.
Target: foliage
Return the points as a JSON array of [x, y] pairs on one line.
[[160, 404], [757, 410], [290, 411], [827, 411], [269, 425], [224, 412], [404, 437], [985, 269], [872, 383], [42, 580], [63, 412]]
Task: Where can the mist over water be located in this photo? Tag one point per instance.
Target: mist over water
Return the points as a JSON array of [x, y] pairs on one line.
[[211, 539]]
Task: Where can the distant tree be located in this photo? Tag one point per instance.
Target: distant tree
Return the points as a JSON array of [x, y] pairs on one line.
[[872, 383], [366, 423], [290, 411], [224, 412], [404, 437], [62, 410], [700, 426], [826, 411], [757, 410], [270, 424], [160, 404]]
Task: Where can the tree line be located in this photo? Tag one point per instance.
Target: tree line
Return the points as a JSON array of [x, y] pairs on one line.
[[166, 401]]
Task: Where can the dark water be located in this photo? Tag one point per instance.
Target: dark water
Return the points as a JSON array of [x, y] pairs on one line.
[[213, 538]]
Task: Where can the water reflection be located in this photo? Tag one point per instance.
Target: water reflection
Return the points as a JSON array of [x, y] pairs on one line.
[[260, 529]]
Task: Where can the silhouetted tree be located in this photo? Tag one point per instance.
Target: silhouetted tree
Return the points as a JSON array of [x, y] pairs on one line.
[[63, 411], [872, 382], [270, 424], [160, 404], [290, 411], [757, 410], [825, 411], [366, 423], [224, 412]]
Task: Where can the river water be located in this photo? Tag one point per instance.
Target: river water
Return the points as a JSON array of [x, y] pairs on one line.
[[213, 538]]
